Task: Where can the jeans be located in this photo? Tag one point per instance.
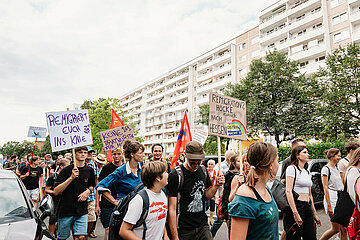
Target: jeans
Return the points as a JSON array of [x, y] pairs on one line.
[[201, 233], [216, 225]]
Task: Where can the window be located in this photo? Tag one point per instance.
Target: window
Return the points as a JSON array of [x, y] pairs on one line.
[[339, 18], [242, 71], [255, 53], [254, 40], [243, 58], [341, 36], [242, 46], [319, 59], [335, 3], [283, 40], [271, 46], [303, 64], [300, 17]]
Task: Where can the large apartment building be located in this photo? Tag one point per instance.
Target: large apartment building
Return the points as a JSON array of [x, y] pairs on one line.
[[306, 30]]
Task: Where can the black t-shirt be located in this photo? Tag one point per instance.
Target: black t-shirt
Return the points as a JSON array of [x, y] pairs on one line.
[[192, 196], [68, 203], [32, 181], [106, 171], [50, 183]]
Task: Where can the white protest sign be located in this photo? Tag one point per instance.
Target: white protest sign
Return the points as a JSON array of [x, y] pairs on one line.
[[200, 134], [69, 129], [37, 132], [227, 117], [115, 138]]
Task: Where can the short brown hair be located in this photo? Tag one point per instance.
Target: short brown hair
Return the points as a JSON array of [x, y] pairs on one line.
[[351, 146], [331, 152], [81, 148], [64, 162], [132, 147], [150, 171]]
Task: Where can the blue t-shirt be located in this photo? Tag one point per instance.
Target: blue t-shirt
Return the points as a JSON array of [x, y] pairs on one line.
[[264, 217]]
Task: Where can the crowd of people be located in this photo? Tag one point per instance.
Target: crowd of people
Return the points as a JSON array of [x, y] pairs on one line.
[[86, 187]]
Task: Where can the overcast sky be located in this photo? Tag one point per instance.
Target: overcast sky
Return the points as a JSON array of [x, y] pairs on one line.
[[56, 53]]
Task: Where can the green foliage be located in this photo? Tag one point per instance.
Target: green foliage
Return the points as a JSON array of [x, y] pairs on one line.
[[46, 148], [210, 146], [278, 98], [340, 83], [100, 118], [19, 149], [204, 114], [316, 150]]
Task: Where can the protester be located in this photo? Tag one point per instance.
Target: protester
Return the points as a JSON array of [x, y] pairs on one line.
[[91, 198], [224, 169], [126, 177], [74, 184], [103, 207], [11, 164], [352, 175], [211, 202], [49, 189], [31, 176], [350, 148], [100, 161], [194, 191], [181, 159], [303, 211], [154, 177], [157, 152], [332, 184], [253, 211]]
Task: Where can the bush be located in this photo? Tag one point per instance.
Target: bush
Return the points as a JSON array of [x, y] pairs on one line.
[[316, 150]]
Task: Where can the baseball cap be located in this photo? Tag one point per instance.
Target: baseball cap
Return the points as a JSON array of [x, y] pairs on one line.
[[194, 151], [90, 149]]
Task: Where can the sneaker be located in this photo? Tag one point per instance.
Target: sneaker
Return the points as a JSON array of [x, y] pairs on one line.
[[92, 235]]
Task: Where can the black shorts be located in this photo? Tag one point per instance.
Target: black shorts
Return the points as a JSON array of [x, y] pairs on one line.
[[105, 214]]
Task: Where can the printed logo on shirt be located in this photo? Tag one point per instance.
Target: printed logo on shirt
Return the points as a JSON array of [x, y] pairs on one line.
[[86, 180], [158, 208], [197, 192]]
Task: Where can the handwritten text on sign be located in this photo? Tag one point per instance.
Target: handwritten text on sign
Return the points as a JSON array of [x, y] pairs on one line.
[[227, 117], [115, 138], [69, 129]]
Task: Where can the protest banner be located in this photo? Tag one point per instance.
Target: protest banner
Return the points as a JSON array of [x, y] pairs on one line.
[[200, 134], [227, 118], [115, 138], [37, 132], [69, 129]]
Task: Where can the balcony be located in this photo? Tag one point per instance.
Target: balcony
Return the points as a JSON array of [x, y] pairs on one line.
[[278, 34], [225, 56], [278, 17], [355, 17], [309, 53], [203, 100], [312, 67], [351, 2], [177, 78], [218, 84], [356, 36], [226, 68], [305, 6], [310, 34], [176, 98], [309, 18]]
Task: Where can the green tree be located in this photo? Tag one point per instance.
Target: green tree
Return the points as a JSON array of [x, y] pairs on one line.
[[279, 100], [100, 118], [19, 149], [341, 98]]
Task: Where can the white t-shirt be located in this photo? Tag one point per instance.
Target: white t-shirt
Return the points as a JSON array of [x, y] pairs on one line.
[[334, 183], [343, 164], [156, 218], [351, 176], [303, 180]]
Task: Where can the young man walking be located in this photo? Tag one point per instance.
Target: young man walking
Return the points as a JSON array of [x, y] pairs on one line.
[[74, 184], [195, 189], [350, 148]]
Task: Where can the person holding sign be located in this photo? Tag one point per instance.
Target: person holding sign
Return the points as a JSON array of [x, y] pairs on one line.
[[126, 177], [74, 184]]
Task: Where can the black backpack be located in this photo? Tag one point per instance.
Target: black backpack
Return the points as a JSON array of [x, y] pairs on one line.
[[120, 210], [226, 193]]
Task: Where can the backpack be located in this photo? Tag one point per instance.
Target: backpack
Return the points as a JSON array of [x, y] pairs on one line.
[[121, 209], [180, 174], [226, 193], [320, 180]]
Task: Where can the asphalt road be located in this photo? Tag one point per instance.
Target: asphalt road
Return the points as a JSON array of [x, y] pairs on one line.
[[222, 233]]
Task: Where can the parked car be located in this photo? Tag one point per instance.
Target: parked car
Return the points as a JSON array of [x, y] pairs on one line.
[[213, 157], [18, 217]]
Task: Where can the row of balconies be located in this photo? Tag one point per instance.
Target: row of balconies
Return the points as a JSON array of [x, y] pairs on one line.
[[216, 60]]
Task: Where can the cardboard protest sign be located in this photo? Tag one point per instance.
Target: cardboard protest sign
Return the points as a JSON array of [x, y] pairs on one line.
[[200, 134], [227, 117], [69, 129], [37, 132], [115, 138]]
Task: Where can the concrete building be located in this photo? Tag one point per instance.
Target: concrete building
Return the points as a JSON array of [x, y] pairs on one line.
[[306, 30]]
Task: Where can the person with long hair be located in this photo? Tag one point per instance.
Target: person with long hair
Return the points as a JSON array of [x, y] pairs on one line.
[[126, 177], [301, 223], [211, 202], [352, 175], [253, 211], [332, 183]]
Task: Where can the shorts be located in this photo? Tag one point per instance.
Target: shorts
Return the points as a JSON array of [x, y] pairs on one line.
[[34, 194], [333, 199], [105, 214], [78, 224], [91, 211]]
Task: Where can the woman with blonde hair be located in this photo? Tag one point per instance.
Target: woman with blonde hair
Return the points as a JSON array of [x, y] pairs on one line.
[[332, 184], [253, 211]]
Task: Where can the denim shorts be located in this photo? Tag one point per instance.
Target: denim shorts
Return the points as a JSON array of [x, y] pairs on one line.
[[78, 224], [105, 214]]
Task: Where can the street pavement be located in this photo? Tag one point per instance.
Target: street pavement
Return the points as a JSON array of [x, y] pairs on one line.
[[223, 235]]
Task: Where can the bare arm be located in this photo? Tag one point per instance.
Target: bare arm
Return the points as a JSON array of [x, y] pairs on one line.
[[316, 218], [342, 175], [48, 190], [325, 180], [236, 182], [110, 198], [289, 196], [211, 191], [172, 217], [239, 228], [126, 232]]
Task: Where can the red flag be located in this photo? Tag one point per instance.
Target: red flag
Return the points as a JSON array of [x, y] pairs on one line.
[[183, 138], [115, 122]]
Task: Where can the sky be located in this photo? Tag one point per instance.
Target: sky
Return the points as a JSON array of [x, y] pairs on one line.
[[57, 53]]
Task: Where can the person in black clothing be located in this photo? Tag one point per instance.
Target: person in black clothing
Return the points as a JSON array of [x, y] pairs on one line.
[[104, 208], [49, 189], [74, 184], [195, 190], [30, 175]]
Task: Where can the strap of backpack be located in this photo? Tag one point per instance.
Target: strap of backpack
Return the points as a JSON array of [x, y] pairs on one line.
[[180, 174], [294, 177], [329, 172], [145, 211]]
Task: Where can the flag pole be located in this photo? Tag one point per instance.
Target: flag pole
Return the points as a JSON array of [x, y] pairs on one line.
[[219, 155], [32, 155]]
